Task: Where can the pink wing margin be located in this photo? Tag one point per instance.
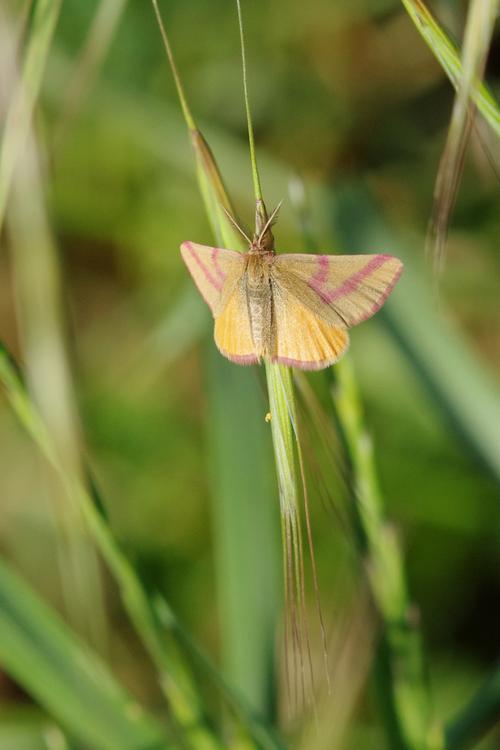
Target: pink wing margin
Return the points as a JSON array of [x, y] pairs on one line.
[[346, 289], [215, 271]]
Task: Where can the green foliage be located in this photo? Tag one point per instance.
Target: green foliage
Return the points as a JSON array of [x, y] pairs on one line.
[[344, 93], [67, 679]]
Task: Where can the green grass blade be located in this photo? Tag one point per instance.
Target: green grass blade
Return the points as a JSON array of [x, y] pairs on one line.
[[39, 651], [173, 673], [44, 16], [237, 409], [477, 718], [245, 528], [448, 55], [477, 40], [38, 291], [401, 682]]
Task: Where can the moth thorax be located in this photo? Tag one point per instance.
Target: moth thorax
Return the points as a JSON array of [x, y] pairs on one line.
[[259, 303], [257, 271]]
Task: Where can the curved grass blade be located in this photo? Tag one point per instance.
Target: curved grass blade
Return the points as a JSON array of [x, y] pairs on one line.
[[448, 55], [173, 674], [65, 677], [43, 20], [477, 718], [478, 33], [39, 298]]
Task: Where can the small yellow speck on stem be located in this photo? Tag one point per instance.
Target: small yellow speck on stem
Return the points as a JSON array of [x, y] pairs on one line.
[[268, 417]]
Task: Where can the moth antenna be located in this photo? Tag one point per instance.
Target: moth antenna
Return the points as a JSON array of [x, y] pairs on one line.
[[236, 225], [271, 220]]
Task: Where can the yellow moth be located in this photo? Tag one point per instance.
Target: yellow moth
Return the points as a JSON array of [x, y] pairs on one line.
[[294, 309]]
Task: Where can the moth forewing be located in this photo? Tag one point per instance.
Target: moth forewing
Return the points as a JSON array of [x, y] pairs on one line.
[[300, 290], [232, 333], [343, 289], [215, 272]]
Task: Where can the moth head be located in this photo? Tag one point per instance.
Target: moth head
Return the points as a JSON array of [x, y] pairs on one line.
[[263, 240]]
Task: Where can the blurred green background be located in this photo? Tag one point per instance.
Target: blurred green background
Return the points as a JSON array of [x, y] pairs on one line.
[[345, 95]]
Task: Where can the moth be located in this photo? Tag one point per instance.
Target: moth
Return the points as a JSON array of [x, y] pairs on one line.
[[290, 308]]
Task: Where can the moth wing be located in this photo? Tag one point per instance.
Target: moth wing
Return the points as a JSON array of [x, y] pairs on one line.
[[302, 338], [215, 272], [343, 289], [232, 333]]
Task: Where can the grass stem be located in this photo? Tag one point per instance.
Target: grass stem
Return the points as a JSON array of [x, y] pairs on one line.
[[251, 137]]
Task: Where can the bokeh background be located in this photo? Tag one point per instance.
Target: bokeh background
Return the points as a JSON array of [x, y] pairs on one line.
[[346, 97]]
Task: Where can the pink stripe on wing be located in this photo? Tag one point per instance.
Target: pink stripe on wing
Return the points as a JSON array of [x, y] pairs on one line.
[[389, 289], [240, 359], [321, 275], [351, 284], [300, 364], [211, 279], [220, 273]]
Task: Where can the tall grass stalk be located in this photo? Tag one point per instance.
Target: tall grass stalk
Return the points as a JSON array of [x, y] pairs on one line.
[[248, 587], [43, 19], [37, 285], [401, 680], [477, 39], [279, 381], [39, 302], [400, 674], [247, 581], [285, 441], [448, 55]]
